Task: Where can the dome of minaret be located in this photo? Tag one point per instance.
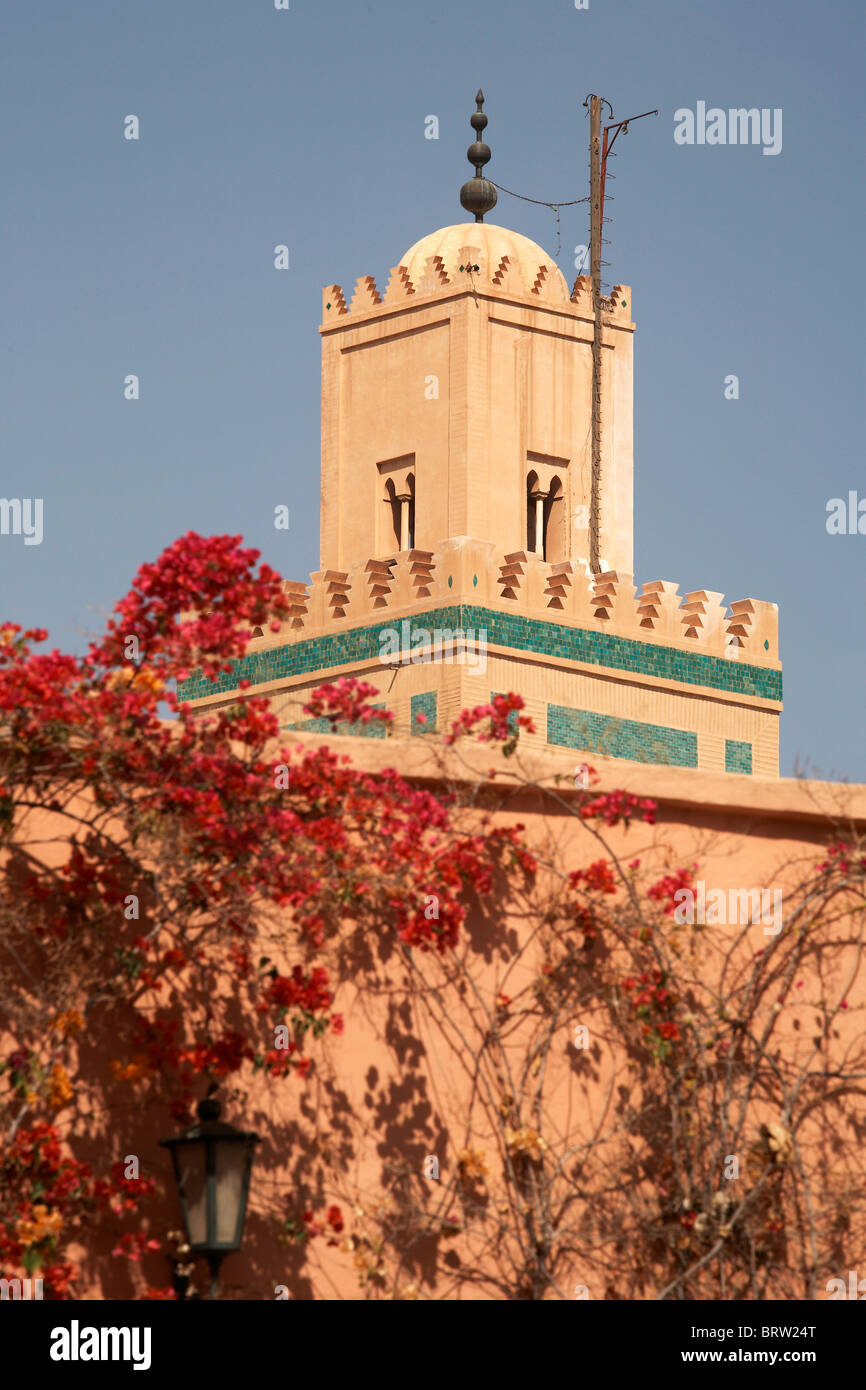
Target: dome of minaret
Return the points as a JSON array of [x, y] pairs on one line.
[[492, 243], [487, 242]]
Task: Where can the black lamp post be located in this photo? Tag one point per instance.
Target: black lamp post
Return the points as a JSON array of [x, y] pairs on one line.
[[212, 1166]]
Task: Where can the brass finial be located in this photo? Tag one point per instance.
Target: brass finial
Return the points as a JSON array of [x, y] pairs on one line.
[[478, 195]]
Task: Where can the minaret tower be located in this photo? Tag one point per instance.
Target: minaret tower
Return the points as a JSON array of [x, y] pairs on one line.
[[458, 403], [456, 491]]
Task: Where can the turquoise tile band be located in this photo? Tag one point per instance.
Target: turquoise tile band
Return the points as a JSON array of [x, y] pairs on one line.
[[502, 630], [620, 738], [374, 729]]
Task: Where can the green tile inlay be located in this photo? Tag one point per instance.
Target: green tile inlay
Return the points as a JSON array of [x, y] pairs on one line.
[[503, 630], [425, 704], [738, 756], [321, 725], [620, 738]]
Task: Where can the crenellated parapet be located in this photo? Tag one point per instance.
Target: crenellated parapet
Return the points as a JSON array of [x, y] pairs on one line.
[[466, 572], [648, 675], [471, 269]]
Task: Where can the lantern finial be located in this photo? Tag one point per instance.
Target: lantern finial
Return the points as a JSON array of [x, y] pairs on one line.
[[478, 195]]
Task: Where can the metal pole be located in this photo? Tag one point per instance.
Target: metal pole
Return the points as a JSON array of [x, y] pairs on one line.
[[214, 1262], [595, 272]]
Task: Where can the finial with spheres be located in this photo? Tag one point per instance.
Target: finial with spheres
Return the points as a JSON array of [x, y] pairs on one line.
[[478, 195]]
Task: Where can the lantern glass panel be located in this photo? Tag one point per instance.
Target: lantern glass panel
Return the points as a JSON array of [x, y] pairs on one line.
[[193, 1185], [231, 1162]]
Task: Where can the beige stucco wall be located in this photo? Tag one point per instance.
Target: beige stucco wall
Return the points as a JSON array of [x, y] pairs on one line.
[[399, 1091]]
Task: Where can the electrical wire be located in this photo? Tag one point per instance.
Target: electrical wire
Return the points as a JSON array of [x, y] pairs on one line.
[[542, 202]]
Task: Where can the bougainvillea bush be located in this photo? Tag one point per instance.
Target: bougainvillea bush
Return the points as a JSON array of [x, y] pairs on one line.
[[143, 848]]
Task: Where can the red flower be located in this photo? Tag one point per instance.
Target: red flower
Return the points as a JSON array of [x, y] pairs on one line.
[[598, 878], [57, 1279], [666, 889]]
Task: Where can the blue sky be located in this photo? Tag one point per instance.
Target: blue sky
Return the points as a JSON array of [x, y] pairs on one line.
[[306, 127]]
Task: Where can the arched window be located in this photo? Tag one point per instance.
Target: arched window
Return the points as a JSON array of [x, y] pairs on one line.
[[553, 523], [533, 538], [395, 523], [545, 517], [391, 499], [410, 514], [402, 506]]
